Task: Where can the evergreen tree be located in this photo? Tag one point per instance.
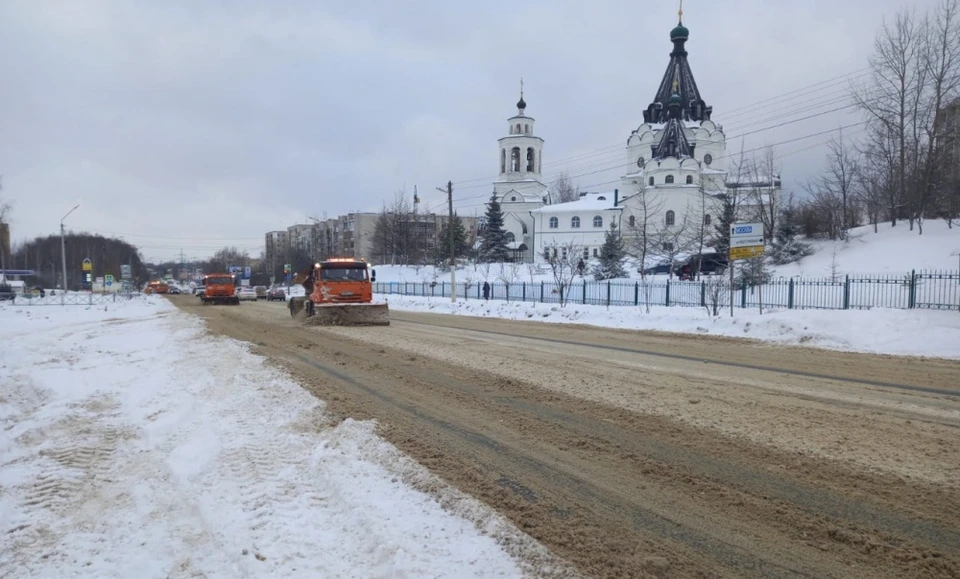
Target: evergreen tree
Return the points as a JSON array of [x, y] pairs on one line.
[[493, 247], [460, 246], [721, 240], [612, 254], [786, 247]]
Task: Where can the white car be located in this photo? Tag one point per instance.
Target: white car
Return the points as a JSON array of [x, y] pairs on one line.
[[247, 293]]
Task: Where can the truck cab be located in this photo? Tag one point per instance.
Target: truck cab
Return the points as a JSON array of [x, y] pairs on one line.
[[219, 288]]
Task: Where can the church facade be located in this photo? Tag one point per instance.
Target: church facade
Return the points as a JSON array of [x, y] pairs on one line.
[[674, 185]]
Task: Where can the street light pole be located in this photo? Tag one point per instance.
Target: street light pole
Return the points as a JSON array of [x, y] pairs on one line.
[[63, 247]]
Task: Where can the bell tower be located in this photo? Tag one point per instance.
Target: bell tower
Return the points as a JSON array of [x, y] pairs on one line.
[[520, 151]]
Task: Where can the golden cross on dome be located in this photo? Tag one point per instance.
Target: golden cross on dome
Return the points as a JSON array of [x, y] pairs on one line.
[[676, 79], [680, 12], [521, 87]]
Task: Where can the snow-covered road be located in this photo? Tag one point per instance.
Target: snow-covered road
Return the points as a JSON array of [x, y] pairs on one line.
[[133, 444]]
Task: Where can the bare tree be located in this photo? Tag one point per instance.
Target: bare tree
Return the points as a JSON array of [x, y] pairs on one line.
[[674, 237], [394, 237], [563, 259], [717, 293], [834, 193], [642, 232], [563, 191], [508, 275]]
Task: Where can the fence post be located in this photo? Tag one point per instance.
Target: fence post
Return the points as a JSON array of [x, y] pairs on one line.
[[524, 291], [608, 294], [636, 293], [703, 294], [846, 292], [443, 289], [743, 294], [913, 288], [584, 300], [667, 299], [541, 292], [790, 295]]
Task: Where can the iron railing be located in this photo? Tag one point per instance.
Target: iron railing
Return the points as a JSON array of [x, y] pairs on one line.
[[71, 299], [916, 289]]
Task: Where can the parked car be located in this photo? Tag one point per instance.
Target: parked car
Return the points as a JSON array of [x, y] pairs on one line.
[[660, 268], [261, 291], [709, 264], [276, 294], [198, 291], [246, 293], [7, 293], [174, 290]]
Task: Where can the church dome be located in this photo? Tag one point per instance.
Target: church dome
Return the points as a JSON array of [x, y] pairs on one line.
[[680, 32], [521, 104], [675, 100]]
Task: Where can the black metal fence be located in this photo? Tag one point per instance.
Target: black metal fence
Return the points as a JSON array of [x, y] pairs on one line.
[[71, 299], [916, 289]]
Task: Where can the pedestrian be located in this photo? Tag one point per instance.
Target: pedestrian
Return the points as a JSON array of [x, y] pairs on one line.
[[580, 267], [486, 291]]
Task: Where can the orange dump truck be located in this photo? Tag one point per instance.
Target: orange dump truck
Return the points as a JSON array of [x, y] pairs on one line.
[[157, 287], [219, 288], [339, 293]]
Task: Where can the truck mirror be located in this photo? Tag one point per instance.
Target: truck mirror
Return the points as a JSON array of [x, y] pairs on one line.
[[373, 275]]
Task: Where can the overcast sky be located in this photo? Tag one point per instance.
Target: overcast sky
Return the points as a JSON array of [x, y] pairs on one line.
[[191, 124]]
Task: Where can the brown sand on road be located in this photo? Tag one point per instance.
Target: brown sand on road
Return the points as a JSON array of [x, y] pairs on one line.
[[639, 454]]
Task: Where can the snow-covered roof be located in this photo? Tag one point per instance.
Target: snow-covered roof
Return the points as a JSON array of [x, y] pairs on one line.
[[587, 202]]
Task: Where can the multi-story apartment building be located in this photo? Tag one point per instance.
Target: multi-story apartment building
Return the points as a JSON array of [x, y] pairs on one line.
[[948, 138], [275, 249]]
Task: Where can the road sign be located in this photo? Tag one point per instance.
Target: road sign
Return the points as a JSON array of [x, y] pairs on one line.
[[746, 241], [247, 271], [99, 280], [287, 268], [87, 265], [108, 278], [125, 272], [746, 230], [746, 252]]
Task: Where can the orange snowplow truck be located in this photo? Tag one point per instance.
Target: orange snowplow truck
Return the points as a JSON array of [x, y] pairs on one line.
[[339, 292], [219, 288]]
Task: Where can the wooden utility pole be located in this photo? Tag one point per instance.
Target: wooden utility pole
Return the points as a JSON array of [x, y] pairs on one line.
[[453, 247]]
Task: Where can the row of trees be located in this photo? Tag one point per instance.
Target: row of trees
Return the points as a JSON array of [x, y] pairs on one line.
[[43, 255]]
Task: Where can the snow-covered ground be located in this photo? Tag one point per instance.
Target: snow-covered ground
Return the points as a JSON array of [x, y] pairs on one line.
[[881, 331], [133, 444], [894, 250]]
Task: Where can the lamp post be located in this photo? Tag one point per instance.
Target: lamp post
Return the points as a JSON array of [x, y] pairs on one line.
[[63, 247]]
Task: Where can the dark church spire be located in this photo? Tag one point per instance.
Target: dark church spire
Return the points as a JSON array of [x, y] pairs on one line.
[[673, 140], [692, 106]]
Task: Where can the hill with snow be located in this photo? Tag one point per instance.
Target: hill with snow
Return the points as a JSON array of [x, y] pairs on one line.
[[889, 250]]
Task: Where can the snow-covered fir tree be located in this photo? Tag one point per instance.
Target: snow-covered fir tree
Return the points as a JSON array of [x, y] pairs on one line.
[[721, 239], [493, 246], [786, 247], [460, 244], [612, 254]]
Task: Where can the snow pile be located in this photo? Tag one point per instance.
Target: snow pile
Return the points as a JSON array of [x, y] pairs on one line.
[[880, 331], [132, 444]]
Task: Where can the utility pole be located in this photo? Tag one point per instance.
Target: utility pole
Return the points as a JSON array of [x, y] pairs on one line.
[[453, 247], [63, 247]]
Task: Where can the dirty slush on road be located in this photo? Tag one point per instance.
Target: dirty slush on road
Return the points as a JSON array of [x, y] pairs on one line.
[[620, 489]]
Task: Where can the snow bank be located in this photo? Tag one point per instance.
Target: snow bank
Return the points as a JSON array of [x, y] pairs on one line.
[[128, 450], [880, 331]]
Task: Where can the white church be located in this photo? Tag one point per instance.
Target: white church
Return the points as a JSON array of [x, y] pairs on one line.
[[676, 160]]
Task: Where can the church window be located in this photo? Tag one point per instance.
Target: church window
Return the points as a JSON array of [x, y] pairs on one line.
[[524, 226], [526, 129], [554, 223], [515, 160], [651, 181], [518, 128], [503, 160], [632, 221], [514, 198], [668, 179], [708, 158], [706, 219], [510, 237], [531, 160], [689, 179], [575, 223], [667, 246], [595, 252], [641, 162], [671, 218], [586, 253], [511, 129], [598, 221]]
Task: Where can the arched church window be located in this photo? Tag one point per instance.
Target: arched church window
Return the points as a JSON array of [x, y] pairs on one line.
[[526, 129], [511, 129], [632, 221], [515, 159], [668, 180], [575, 223], [554, 223], [531, 160], [706, 219], [641, 162], [651, 181], [598, 221], [510, 237], [518, 128], [523, 226], [671, 218], [708, 158], [689, 179], [503, 160]]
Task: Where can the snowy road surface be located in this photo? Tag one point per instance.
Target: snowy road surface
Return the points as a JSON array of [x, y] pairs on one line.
[[133, 444], [635, 454]]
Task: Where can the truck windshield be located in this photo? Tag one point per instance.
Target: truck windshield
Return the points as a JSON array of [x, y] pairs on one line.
[[343, 274], [219, 281]]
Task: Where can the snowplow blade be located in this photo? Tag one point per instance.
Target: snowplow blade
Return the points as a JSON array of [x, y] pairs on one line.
[[349, 315]]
